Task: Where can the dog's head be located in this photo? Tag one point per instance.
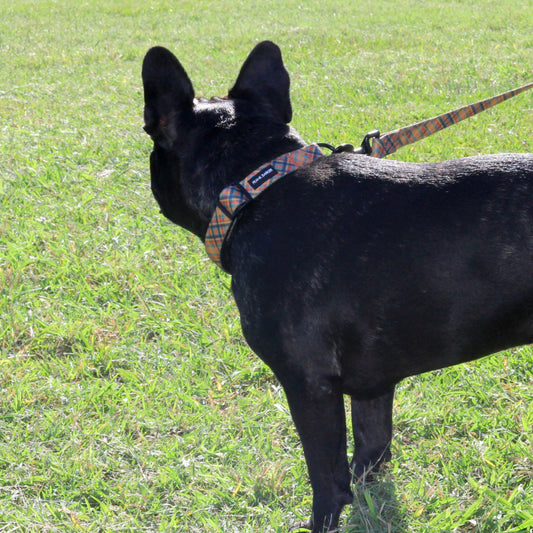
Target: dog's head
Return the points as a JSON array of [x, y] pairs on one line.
[[201, 145]]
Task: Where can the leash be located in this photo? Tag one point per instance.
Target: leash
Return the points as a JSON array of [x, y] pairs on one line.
[[384, 145], [237, 195]]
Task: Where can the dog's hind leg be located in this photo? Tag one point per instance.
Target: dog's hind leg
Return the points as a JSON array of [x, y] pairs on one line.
[[372, 431], [318, 413]]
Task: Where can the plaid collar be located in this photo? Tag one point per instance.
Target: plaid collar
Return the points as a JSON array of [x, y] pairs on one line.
[[234, 197]]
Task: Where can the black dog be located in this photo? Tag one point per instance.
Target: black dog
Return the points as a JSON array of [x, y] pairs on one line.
[[352, 272]]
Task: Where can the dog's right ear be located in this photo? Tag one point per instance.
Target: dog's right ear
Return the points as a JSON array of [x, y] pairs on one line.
[[264, 80], [168, 93]]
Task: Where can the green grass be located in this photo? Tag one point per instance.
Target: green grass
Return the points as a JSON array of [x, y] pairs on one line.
[[129, 401]]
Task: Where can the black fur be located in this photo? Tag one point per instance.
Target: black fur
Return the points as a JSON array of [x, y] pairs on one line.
[[353, 272]]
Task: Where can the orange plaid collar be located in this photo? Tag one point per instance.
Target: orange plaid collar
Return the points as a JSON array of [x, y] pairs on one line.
[[234, 197]]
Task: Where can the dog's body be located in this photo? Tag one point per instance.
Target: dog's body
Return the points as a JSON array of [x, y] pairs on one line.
[[351, 273]]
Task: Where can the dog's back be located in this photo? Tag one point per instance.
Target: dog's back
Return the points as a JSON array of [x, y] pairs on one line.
[[416, 266]]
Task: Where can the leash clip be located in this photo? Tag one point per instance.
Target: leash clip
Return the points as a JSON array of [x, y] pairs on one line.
[[366, 147]]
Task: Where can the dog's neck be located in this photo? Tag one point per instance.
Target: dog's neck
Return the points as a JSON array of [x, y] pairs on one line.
[[228, 165], [236, 196]]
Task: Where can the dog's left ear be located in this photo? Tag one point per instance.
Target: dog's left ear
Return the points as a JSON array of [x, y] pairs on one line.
[[263, 79], [168, 95]]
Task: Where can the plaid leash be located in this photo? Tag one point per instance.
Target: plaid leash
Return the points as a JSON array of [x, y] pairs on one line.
[[234, 197], [383, 145]]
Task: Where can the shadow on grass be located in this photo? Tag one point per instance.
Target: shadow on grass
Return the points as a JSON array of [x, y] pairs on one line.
[[375, 507]]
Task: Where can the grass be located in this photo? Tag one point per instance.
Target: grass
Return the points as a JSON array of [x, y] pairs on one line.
[[129, 400]]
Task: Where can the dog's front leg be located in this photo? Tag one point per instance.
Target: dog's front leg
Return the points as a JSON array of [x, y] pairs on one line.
[[318, 412], [372, 431]]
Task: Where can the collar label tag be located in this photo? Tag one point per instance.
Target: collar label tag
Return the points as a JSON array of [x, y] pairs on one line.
[[260, 178]]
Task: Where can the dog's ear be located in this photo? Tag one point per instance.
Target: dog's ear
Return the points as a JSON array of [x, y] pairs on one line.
[[264, 79], [168, 93]]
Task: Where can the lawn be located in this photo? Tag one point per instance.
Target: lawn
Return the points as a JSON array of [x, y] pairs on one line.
[[130, 401]]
